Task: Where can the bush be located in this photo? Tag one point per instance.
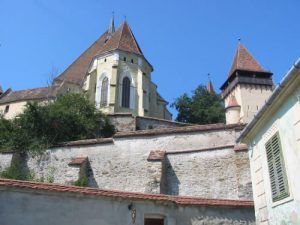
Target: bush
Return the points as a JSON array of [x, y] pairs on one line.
[[70, 117]]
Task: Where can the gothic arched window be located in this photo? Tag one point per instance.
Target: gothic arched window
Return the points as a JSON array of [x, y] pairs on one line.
[[104, 92], [126, 92]]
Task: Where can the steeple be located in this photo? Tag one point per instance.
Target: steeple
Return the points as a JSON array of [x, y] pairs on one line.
[[209, 86], [244, 61], [246, 88], [111, 28]]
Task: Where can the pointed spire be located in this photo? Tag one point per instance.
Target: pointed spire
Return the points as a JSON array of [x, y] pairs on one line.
[[209, 86], [243, 60], [232, 102], [111, 28]]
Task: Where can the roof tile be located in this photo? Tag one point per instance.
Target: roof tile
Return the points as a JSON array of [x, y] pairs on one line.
[[243, 60], [180, 200]]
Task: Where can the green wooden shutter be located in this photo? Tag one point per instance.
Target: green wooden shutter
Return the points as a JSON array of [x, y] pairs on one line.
[[278, 179]]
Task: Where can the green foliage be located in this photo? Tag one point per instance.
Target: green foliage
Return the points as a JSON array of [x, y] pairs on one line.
[[82, 182], [70, 117], [16, 172], [202, 107]]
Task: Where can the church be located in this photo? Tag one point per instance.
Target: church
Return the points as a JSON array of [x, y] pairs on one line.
[[114, 73], [171, 174]]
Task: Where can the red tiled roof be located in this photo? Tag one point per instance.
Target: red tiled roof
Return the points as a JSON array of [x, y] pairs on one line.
[[180, 200], [194, 128], [122, 39], [77, 161], [243, 60], [85, 142], [232, 102], [241, 147], [156, 155], [220, 147], [30, 94]]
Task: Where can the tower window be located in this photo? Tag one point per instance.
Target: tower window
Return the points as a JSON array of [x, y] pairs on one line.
[[131, 60], [124, 59], [6, 109], [105, 60], [104, 92], [126, 92]]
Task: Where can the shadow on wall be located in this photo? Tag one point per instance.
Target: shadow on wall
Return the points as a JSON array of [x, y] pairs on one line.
[[169, 181], [91, 178]]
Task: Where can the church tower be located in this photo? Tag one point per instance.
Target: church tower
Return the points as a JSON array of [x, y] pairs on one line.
[[117, 76], [247, 87]]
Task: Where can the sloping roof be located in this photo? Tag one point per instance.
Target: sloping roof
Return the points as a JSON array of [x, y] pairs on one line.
[[232, 102], [156, 155], [1, 90], [122, 39], [78, 161], [243, 60], [30, 94], [180, 200]]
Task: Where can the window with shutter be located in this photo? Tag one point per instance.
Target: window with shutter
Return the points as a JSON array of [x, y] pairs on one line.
[[278, 178], [104, 92]]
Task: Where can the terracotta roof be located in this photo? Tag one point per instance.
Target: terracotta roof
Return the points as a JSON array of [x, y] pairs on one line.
[[30, 94], [85, 142], [122, 39], [156, 155], [241, 147], [77, 161], [180, 200], [220, 147], [243, 60], [210, 87], [232, 102], [194, 128]]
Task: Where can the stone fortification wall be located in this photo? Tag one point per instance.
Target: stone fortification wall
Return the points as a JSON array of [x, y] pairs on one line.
[[123, 162]]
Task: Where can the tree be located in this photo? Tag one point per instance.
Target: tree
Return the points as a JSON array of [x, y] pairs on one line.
[[202, 107], [42, 125]]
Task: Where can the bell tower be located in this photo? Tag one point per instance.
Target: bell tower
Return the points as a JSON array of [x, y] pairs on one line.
[[246, 88]]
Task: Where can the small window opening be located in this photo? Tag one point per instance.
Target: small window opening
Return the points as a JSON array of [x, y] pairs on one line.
[[124, 59], [153, 221], [105, 60], [131, 60], [6, 109]]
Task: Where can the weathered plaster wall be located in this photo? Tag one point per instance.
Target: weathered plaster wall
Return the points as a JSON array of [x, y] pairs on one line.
[[123, 164], [221, 173], [5, 159], [51, 208], [285, 121]]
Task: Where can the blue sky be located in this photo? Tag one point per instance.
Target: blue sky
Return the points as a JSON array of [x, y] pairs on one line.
[[183, 40]]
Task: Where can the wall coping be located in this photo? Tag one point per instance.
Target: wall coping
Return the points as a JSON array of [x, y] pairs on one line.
[[179, 200], [174, 130]]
